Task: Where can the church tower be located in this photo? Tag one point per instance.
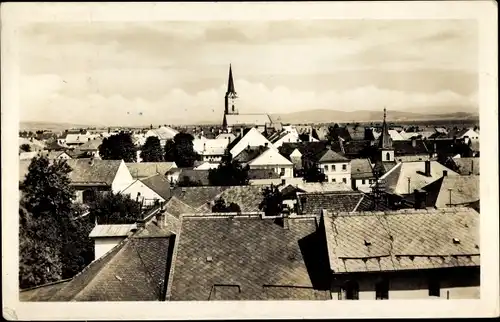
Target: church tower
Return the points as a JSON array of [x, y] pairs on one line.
[[231, 95], [385, 146]]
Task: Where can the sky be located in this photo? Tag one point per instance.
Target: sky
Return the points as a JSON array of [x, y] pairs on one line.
[[117, 73]]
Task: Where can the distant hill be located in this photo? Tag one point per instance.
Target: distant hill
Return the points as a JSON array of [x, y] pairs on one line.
[[326, 116], [307, 116]]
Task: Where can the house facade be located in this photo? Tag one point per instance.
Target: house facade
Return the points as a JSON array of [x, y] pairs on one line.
[[381, 262], [336, 167], [272, 159]]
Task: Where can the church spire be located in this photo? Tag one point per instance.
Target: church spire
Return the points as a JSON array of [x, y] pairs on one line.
[[230, 82], [385, 142]]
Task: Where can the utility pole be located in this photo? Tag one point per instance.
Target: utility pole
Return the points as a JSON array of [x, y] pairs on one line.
[[409, 185]]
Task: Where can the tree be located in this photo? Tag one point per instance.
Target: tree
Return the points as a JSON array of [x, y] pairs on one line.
[[221, 206], [152, 151], [118, 147], [185, 181], [25, 147], [109, 208], [313, 174], [180, 150], [228, 173], [46, 209], [272, 204]]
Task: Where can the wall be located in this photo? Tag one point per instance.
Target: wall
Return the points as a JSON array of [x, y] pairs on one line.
[[277, 169], [276, 181], [122, 179], [212, 158], [102, 245], [358, 184], [414, 285], [337, 175]]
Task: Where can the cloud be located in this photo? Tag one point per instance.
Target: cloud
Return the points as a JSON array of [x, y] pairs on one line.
[[112, 72], [176, 105]]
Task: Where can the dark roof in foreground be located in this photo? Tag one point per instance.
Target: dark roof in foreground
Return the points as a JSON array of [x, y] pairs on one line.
[[339, 201], [223, 257], [402, 240], [135, 270]]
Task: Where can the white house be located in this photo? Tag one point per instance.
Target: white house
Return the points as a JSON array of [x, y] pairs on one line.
[[149, 190], [211, 150], [362, 176], [163, 133], [272, 159], [466, 134], [106, 237], [336, 167], [252, 138]]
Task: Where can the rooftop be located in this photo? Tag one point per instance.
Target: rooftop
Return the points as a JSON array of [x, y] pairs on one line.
[[361, 169], [148, 169], [135, 270], [402, 240], [247, 258], [463, 190], [111, 230]]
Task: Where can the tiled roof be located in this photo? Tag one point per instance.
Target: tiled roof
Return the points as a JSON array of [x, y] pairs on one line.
[[402, 240], [42, 293], [159, 184], [319, 187], [100, 171], [356, 133], [250, 153], [164, 133], [361, 169], [176, 207], [135, 270], [92, 145], [464, 190], [148, 169], [111, 230], [310, 150], [314, 203], [247, 197], [199, 176], [396, 180], [331, 156], [195, 197], [246, 258], [248, 119], [406, 147], [467, 166]]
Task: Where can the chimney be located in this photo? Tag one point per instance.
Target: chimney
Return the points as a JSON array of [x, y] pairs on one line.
[[427, 168], [285, 222], [414, 142], [420, 199], [140, 223], [160, 219], [445, 173], [265, 144]]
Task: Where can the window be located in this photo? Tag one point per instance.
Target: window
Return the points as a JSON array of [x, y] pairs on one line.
[[334, 180], [351, 291], [363, 181], [382, 290], [387, 156], [344, 167], [333, 167], [282, 172], [326, 168], [434, 287], [344, 180]]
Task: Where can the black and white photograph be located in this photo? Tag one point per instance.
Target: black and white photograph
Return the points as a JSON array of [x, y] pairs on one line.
[[262, 158]]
